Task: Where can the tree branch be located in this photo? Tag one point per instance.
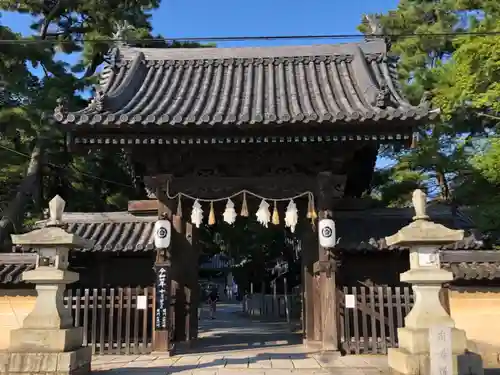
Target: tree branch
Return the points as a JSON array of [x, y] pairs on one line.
[[48, 19]]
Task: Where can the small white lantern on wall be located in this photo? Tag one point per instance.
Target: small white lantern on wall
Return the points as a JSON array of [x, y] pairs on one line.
[[326, 232], [163, 234]]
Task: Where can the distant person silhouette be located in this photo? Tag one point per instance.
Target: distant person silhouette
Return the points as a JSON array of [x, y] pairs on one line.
[[213, 297]]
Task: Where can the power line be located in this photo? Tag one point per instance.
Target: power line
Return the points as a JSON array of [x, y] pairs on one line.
[[250, 38], [71, 166]]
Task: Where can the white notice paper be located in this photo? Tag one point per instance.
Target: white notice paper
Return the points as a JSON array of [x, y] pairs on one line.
[[142, 303], [350, 301], [427, 259], [440, 350]]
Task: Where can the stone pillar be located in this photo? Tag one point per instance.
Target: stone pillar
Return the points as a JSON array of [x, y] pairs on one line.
[[47, 342], [423, 238]]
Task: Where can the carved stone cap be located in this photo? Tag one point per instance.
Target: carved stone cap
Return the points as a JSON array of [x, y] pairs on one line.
[[422, 231], [51, 237], [53, 234]]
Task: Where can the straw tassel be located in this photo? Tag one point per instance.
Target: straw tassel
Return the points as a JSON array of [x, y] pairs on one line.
[[276, 215], [311, 212], [244, 206], [179, 207], [309, 207], [211, 215], [414, 140]]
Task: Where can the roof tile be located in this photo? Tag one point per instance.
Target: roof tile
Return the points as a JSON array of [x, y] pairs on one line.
[[247, 86]]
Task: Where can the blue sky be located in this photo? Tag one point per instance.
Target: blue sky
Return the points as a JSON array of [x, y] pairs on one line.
[[222, 18]]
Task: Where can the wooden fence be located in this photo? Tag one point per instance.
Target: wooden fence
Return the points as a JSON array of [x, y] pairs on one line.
[[111, 321], [371, 326], [286, 306]]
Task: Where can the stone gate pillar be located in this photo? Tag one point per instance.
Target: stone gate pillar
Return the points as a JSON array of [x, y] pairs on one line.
[[423, 237], [47, 342]]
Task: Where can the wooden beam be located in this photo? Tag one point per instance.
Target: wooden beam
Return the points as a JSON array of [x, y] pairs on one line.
[[270, 187], [150, 206], [219, 186], [144, 206]]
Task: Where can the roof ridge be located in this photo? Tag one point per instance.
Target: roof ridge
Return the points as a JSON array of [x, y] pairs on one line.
[[205, 53]]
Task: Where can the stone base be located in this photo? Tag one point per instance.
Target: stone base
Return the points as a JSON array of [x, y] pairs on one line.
[[416, 341], [327, 358], [76, 362], [402, 362], [45, 340], [312, 344]]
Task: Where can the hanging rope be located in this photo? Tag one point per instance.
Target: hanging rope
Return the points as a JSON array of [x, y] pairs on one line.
[[308, 194], [263, 214]]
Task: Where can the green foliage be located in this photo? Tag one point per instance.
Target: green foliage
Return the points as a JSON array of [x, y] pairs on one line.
[[462, 74], [255, 249], [100, 182]]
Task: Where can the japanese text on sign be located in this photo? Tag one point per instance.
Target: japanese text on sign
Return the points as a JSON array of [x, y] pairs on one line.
[[161, 310]]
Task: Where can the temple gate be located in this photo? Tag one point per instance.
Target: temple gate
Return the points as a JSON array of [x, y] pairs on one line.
[[276, 121]]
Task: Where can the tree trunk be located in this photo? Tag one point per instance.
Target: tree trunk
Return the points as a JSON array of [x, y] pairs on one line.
[[443, 184], [13, 215]]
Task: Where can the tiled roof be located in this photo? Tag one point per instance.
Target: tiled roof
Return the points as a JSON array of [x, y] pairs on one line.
[[472, 265], [113, 231], [122, 231], [344, 83], [474, 270], [373, 225], [13, 265]]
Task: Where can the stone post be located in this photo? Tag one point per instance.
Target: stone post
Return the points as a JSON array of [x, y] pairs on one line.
[[47, 342], [423, 237]]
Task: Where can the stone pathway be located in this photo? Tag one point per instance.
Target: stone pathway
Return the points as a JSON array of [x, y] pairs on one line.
[[233, 344]]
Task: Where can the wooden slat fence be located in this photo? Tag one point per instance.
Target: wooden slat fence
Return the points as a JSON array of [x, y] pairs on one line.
[[111, 322], [371, 327]]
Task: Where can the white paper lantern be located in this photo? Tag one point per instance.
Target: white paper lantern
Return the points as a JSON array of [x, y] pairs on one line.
[[197, 214], [163, 232], [326, 232]]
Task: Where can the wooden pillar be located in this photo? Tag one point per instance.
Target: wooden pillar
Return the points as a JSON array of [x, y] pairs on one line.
[[309, 257], [325, 270], [191, 286], [183, 256], [161, 336]]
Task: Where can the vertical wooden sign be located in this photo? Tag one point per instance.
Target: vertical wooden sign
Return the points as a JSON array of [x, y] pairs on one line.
[[440, 350], [162, 298]]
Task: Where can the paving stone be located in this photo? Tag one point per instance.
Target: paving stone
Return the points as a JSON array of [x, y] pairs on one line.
[[262, 362], [306, 363], [232, 345], [236, 363], [281, 363], [212, 361]]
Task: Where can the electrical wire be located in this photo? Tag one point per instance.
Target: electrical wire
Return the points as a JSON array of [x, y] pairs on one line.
[[249, 38], [308, 194], [71, 166]]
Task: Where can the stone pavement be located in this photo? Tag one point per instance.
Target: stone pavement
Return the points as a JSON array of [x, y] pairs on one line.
[[233, 344]]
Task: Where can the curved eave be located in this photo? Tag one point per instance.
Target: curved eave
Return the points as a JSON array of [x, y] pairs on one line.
[[323, 90]]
